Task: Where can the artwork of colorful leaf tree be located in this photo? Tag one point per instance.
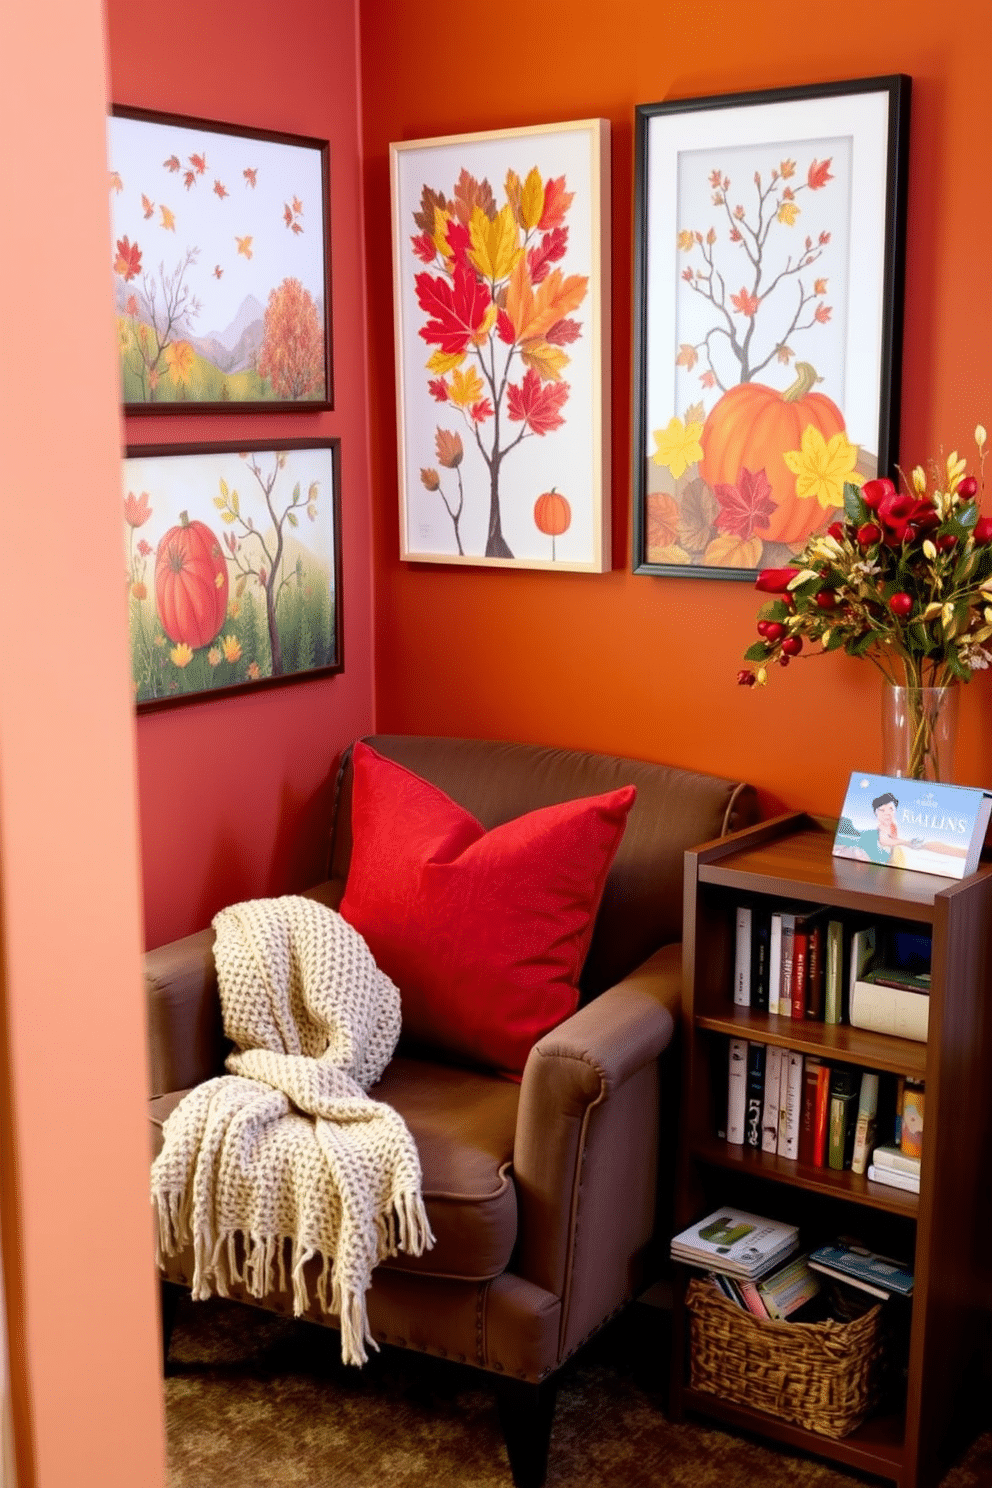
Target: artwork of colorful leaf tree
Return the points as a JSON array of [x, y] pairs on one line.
[[499, 310], [755, 455]]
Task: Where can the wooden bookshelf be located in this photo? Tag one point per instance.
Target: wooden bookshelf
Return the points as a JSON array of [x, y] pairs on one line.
[[946, 1227]]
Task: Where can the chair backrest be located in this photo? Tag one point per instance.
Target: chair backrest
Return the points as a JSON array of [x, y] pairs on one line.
[[675, 809]]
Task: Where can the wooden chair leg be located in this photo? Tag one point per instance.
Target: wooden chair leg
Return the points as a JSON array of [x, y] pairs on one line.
[[526, 1414], [169, 1297]]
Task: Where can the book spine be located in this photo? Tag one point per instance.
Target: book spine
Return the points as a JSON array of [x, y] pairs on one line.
[[900, 1097], [755, 1089], [785, 991], [769, 1116], [864, 1133], [774, 960], [760, 936], [842, 1112], [911, 1132], [737, 1091], [742, 957], [833, 977], [794, 1098], [814, 974], [800, 949], [753, 1298], [811, 1070], [822, 1116]]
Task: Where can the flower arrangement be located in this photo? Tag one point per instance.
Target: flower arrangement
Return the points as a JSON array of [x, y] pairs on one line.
[[903, 579]]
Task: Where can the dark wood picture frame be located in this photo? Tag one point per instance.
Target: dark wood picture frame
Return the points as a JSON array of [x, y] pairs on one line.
[[234, 568], [734, 227], [222, 265]]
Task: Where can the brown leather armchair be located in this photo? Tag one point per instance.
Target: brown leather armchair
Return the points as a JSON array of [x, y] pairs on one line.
[[542, 1196]]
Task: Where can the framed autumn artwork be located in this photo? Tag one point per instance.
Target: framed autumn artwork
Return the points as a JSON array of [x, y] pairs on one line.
[[769, 268], [221, 265], [233, 558], [501, 299]]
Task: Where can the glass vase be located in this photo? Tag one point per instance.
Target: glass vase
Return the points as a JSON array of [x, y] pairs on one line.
[[919, 732]]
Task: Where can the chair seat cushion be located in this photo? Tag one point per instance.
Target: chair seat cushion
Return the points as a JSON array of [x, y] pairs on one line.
[[463, 1122]]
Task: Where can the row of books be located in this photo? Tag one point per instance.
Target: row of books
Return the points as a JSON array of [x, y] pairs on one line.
[[753, 1260], [825, 1115], [807, 963]]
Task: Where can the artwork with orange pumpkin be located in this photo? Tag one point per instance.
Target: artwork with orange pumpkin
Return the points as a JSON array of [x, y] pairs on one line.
[[232, 566], [765, 358]]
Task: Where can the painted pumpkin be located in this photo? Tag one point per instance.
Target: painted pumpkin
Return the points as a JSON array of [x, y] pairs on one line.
[[552, 516], [552, 513], [191, 583], [751, 427]]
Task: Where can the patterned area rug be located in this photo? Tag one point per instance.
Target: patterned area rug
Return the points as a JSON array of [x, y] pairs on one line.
[[258, 1401]]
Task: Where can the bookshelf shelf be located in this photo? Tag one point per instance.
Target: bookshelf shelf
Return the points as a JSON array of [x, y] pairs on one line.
[[848, 1186], [788, 861]]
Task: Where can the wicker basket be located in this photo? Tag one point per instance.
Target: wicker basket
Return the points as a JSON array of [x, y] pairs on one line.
[[822, 1376]]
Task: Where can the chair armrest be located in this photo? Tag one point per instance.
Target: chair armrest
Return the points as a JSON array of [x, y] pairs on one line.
[[586, 1147], [185, 1027], [185, 1030]]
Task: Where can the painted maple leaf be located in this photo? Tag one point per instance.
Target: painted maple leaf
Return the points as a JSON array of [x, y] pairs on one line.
[[746, 507], [250, 174], [244, 245], [424, 247], [189, 179], [168, 219], [220, 190], [457, 310], [745, 303], [819, 174], [199, 163], [148, 207], [172, 164], [552, 247], [128, 260], [537, 404], [116, 184], [556, 203]]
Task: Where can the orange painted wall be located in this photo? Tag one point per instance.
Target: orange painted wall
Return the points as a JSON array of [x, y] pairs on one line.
[[77, 1235], [647, 665], [235, 793]]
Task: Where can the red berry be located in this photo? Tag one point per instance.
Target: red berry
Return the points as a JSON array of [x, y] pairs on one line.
[[792, 645], [946, 543], [836, 531], [901, 604], [826, 599], [869, 533], [983, 530], [745, 678], [783, 661], [968, 488]]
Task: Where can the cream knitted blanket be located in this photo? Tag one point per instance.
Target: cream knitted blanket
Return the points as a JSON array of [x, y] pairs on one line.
[[288, 1151]]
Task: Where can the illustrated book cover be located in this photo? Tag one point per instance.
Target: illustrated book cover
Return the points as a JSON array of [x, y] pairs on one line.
[[917, 824]]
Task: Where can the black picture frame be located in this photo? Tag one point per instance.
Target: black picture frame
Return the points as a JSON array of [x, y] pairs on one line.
[[221, 241], [234, 573], [751, 163]]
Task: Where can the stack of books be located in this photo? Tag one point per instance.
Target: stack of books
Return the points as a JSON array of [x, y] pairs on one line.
[[865, 1269], [781, 1296], [734, 1243], [893, 1166]]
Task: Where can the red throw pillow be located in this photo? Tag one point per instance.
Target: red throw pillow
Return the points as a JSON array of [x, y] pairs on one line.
[[484, 933]]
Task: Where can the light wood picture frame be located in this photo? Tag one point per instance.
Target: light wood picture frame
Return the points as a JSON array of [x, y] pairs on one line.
[[501, 267]]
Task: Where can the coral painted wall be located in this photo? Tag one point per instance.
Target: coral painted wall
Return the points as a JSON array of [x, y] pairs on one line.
[[647, 665], [77, 1232], [235, 793]]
